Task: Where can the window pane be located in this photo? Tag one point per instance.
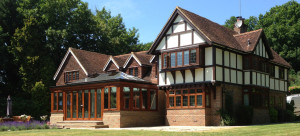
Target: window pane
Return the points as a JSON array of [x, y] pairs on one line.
[[165, 60], [184, 91], [192, 91], [171, 92], [113, 97], [126, 97], [246, 99], [192, 100], [105, 98], [131, 71], [136, 98], [55, 101], [86, 103], [186, 57], [92, 103], [178, 92], [193, 56], [98, 103], [60, 101], [73, 75], [136, 72], [173, 60], [144, 95], [184, 100], [74, 103], [171, 101], [207, 100], [179, 58], [80, 104], [199, 100], [199, 90], [69, 105], [77, 75], [178, 101], [153, 99]]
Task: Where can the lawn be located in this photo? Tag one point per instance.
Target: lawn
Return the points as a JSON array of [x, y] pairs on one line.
[[273, 130]]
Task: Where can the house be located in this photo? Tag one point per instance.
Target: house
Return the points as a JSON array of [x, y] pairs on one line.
[[193, 67]]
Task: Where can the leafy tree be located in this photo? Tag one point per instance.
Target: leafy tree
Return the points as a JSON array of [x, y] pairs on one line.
[[229, 23], [252, 23], [141, 47]]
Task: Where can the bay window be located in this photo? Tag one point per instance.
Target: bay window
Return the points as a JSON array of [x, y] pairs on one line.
[[186, 57], [186, 98], [180, 58], [193, 56], [173, 60]]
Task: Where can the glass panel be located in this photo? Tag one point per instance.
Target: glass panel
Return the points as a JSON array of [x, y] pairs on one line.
[[178, 101], [60, 101], [77, 75], [199, 90], [69, 105], [171, 101], [153, 99], [172, 59], [74, 103], [186, 57], [92, 103], [144, 95], [105, 98], [136, 72], [126, 97], [179, 58], [73, 75], [192, 91], [246, 99], [193, 56], [131, 71], [184, 100], [199, 100], [86, 103], [207, 100], [178, 92], [192, 100], [113, 97], [98, 103], [80, 105], [171, 92], [136, 98], [165, 60], [184, 92], [55, 101]]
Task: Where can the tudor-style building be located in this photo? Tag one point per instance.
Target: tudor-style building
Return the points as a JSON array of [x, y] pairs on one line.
[[200, 62], [190, 70]]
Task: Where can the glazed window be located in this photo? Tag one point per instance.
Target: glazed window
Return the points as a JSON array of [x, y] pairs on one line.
[[165, 60], [281, 73], [71, 76], [139, 98], [136, 72], [130, 71], [57, 101], [186, 98], [186, 57], [193, 56], [173, 60], [179, 58], [110, 98]]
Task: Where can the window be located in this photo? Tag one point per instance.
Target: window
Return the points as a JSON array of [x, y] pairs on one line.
[[186, 57], [281, 73], [165, 60], [70, 76], [272, 70], [246, 98], [193, 56], [110, 98], [130, 71], [136, 72], [57, 101], [255, 97], [173, 60], [187, 98], [141, 99], [179, 58]]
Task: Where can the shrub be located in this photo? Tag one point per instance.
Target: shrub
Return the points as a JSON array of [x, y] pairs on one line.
[[273, 115], [12, 125], [227, 120], [290, 116], [244, 115]]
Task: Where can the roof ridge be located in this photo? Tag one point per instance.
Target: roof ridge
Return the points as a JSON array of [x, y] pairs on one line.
[[248, 32], [87, 51]]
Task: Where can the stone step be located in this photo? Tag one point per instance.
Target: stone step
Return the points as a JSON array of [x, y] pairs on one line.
[[81, 124]]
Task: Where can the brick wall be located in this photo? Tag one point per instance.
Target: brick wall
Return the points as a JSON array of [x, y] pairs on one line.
[[212, 115], [69, 65], [260, 116], [112, 119], [111, 66], [185, 117], [131, 64], [56, 117], [277, 95]]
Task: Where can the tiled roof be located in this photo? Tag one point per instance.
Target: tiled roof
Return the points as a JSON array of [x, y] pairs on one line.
[[93, 62], [243, 38], [143, 57], [279, 60], [121, 59]]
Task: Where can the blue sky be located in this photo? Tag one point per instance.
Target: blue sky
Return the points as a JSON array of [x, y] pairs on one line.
[[149, 16]]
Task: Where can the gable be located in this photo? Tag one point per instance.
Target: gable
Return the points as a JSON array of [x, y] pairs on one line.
[[260, 49], [132, 57], [109, 63], [180, 33], [66, 58], [111, 66]]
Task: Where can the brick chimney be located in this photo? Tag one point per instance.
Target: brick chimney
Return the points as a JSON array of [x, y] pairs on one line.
[[240, 26]]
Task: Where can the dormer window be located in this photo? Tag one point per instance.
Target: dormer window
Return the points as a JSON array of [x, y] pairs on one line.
[[134, 71], [71, 76]]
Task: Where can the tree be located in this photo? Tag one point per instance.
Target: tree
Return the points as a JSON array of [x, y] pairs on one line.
[[282, 28], [252, 23]]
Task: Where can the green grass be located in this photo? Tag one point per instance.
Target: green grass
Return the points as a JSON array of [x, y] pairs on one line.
[[292, 129]]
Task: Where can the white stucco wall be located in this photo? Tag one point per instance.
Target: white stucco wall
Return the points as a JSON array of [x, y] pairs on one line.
[[219, 73], [186, 39], [208, 56], [172, 41], [179, 78], [170, 79], [232, 60], [162, 44], [219, 56], [209, 74], [188, 76], [199, 75], [226, 74], [233, 76], [247, 77], [226, 58], [239, 62], [198, 38], [254, 78], [240, 77]]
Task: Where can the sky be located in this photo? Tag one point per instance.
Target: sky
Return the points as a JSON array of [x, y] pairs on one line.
[[149, 16]]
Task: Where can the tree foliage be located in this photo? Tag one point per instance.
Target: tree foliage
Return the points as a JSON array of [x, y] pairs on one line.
[[35, 35]]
